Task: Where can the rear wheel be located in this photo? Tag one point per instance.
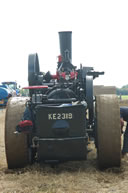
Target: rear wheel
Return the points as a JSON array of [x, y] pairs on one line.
[[108, 131], [15, 144]]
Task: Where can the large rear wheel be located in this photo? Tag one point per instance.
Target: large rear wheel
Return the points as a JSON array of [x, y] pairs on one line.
[[108, 131], [15, 144]]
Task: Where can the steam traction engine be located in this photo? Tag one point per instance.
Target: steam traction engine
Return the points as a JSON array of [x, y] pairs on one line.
[[55, 122]]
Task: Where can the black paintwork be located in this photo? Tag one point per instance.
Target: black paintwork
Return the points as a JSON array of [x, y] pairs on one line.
[[62, 114]]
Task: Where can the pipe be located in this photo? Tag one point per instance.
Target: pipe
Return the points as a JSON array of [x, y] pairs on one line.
[[65, 39]]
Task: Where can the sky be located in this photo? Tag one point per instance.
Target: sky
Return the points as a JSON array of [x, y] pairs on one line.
[[99, 37]]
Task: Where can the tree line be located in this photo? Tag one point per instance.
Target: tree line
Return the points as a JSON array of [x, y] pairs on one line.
[[123, 90]]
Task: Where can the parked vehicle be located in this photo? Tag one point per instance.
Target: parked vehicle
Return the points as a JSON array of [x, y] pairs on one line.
[[7, 90], [12, 85], [5, 94]]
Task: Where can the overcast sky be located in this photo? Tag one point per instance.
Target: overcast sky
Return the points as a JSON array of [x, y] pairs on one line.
[[99, 39]]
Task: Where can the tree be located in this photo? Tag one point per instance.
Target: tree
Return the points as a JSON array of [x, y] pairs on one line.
[[123, 90]]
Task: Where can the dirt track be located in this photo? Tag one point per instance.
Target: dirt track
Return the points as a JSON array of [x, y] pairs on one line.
[[72, 177]]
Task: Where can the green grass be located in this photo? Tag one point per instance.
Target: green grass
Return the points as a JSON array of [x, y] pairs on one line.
[[124, 97]]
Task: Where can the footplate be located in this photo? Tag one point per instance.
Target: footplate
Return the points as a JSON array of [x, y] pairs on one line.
[[62, 149]]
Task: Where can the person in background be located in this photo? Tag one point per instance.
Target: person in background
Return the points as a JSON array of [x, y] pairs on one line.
[[124, 117]]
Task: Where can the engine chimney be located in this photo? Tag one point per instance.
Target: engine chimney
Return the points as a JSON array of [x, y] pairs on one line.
[[65, 38]]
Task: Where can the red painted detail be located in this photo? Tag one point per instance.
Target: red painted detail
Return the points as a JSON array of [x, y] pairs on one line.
[[73, 75], [35, 87], [63, 74], [55, 76], [59, 58], [25, 123]]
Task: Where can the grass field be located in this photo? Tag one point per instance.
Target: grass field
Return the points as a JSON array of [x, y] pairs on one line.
[[123, 97]]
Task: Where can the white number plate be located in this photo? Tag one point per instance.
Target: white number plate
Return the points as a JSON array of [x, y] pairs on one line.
[[59, 116]]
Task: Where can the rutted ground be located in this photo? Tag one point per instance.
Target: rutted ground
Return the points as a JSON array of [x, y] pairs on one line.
[[72, 177]]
